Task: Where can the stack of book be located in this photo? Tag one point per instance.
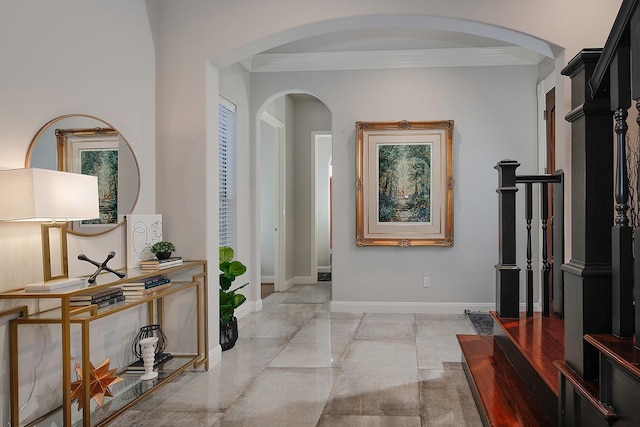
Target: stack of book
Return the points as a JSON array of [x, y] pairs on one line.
[[160, 264], [101, 298], [138, 290]]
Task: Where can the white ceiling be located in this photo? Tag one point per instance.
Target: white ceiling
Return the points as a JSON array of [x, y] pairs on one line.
[[390, 48]]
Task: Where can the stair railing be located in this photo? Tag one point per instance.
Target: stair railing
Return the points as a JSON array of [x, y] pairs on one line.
[[507, 271], [620, 58]]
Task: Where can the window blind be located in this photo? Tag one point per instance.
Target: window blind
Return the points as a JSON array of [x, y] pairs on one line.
[[227, 171]]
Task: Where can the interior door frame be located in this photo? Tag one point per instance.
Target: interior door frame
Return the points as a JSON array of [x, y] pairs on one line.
[[279, 202], [544, 87]]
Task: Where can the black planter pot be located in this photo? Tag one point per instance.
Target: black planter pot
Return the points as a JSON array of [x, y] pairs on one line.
[[228, 334], [163, 255]]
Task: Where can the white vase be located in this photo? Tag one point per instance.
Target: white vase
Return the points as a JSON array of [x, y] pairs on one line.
[[149, 357]]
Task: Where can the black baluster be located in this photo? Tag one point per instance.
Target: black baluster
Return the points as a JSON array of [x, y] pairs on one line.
[[622, 179], [528, 207], [546, 266]]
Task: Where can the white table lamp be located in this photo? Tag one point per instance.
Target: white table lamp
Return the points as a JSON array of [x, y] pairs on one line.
[[52, 197]]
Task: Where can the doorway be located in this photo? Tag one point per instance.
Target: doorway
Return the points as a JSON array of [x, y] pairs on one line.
[[321, 250], [556, 290], [271, 194], [294, 215]]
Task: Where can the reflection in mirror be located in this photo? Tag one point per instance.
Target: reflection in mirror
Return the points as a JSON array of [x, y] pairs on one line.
[[85, 144]]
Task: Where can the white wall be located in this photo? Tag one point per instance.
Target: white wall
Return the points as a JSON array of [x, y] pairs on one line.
[[188, 35], [494, 110], [70, 56], [49, 70]]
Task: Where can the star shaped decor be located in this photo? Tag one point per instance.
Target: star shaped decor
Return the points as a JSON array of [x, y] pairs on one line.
[[99, 381]]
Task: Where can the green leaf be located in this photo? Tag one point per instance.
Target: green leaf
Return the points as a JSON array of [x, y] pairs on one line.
[[225, 282], [226, 254], [236, 268], [226, 317], [224, 266], [224, 298], [238, 300]]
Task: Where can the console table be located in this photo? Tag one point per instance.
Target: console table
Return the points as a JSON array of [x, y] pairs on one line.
[[191, 275]]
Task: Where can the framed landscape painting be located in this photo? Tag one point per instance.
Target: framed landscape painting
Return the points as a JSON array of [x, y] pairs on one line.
[[404, 183], [98, 157]]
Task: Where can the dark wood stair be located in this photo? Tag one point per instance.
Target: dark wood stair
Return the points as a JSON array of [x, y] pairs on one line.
[[512, 374], [501, 395]]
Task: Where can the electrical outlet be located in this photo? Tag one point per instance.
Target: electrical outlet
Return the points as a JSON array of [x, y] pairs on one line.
[[426, 282]]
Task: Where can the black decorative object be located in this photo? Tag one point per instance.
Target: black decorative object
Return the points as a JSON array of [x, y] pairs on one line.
[[146, 332], [163, 255], [103, 266], [229, 334]]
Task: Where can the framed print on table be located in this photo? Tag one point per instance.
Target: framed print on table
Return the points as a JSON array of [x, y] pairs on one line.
[[404, 183]]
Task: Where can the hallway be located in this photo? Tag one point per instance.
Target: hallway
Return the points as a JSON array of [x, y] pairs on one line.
[[296, 364]]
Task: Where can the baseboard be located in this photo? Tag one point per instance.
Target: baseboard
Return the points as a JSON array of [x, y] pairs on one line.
[[305, 280], [243, 310], [289, 283], [215, 356], [408, 307], [536, 306], [268, 279]]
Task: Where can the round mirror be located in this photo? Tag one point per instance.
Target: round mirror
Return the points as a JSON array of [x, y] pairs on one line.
[[85, 144]]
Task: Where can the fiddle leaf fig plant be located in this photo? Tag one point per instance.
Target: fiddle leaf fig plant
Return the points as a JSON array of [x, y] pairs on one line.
[[230, 269]]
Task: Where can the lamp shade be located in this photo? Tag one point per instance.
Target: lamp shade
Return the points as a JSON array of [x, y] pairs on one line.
[[47, 195]]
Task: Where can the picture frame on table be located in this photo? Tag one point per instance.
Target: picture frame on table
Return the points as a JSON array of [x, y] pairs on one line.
[[143, 231], [404, 183]]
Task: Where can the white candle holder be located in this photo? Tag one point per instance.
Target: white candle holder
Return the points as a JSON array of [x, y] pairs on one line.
[[148, 357]]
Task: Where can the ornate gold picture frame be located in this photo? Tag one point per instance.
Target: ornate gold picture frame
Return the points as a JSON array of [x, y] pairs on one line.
[[404, 183]]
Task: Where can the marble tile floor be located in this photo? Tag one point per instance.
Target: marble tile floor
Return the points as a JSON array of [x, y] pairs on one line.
[[297, 364]]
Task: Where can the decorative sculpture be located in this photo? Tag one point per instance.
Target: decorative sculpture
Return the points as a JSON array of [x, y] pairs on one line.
[[149, 357], [99, 381], [101, 267]]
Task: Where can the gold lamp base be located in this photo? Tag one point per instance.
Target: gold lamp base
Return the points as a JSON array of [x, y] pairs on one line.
[[51, 232]]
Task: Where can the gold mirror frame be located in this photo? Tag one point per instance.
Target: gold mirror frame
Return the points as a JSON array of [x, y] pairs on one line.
[[61, 162]]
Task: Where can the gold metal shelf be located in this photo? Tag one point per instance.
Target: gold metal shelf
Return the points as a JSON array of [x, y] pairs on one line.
[[127, 392]]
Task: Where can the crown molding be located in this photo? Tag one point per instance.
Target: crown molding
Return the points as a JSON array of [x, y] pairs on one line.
[[386, 59]]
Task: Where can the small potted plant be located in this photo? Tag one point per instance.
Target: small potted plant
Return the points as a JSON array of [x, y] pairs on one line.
[[163, 249], [229, 298]]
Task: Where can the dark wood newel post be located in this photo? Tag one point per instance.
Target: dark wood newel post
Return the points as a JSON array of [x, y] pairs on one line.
[[507, 272], [587, 276]]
